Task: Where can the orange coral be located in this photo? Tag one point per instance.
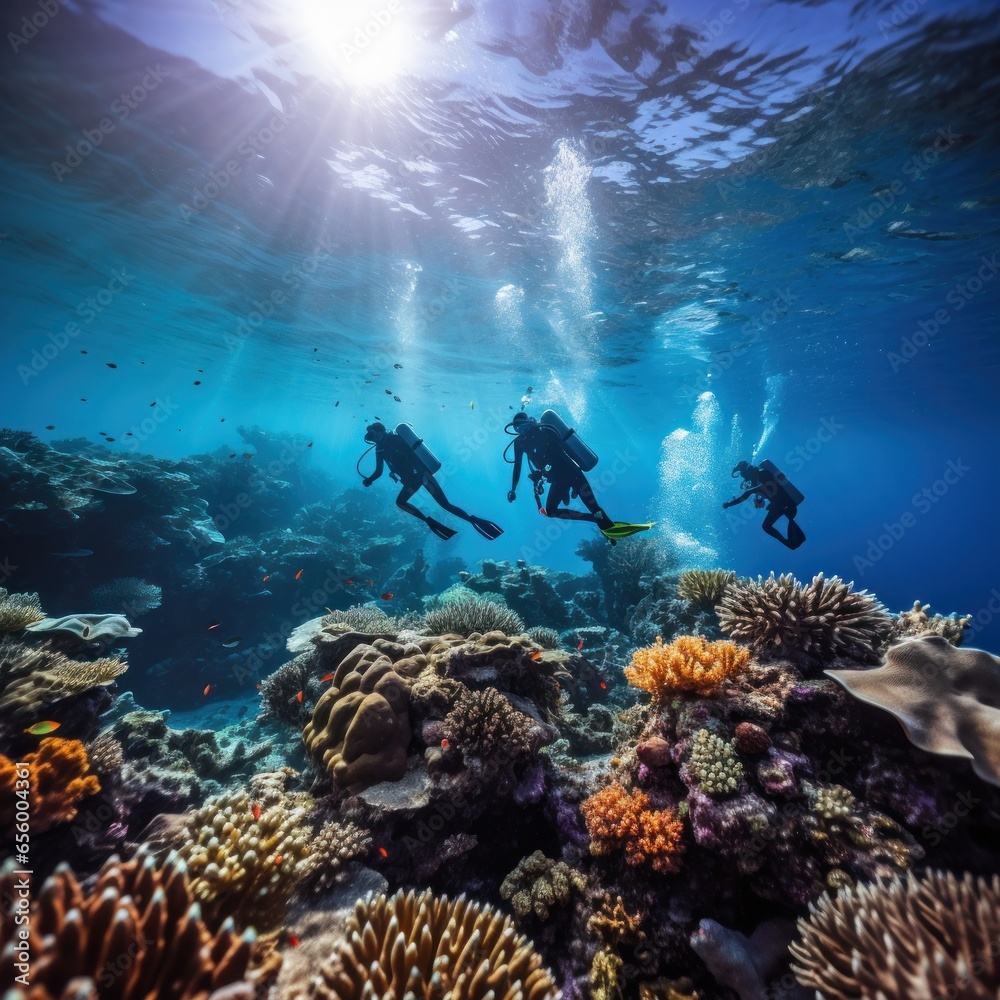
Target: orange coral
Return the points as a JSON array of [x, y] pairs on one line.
[[689, 663], [57, 779], [617, 818]]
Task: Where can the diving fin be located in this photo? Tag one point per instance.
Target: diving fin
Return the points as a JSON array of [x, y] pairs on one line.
[[486, 528], [622, 529], [439, 529]]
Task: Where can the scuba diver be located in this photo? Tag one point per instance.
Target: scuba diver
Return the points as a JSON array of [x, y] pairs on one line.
[[556, 453], [768, 486], [412, 464]]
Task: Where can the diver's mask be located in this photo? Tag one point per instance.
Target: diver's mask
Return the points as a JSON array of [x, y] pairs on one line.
[[374, 433]]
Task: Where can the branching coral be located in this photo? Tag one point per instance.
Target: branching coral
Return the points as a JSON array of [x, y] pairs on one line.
[[330, 849], [369, 619], [809, 625], [704, 586], [547, 638], [426, 945], [713, 766], [907, 939], [57, 779], [127, 595], [472, 614], [133, 936], [688, 664], [538, 884], [17, 611], [916, 621], [485, 724], [621, 820]]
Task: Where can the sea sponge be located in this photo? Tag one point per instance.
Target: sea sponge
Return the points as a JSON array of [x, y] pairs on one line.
[[472, 614], [485, 724], [946, 698], [57, 776], [538, 884], [17, 611], [704, 586], [423, 945], [809, 625], [32, 679], [906, 939], [127, 595], [133, 936], [712, 765], [916, 621], [621, 820], [688, 664]]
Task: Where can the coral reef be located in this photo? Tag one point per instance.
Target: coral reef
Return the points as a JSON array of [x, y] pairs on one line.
[[908, 939], [366, 618], [810, 625], [945, 698], [538, 884], [688, 664], [743, 964], [472, 614], [17, 611], [484, 723], [712, 765], [135, 934], [127, 595], [916, 621], [704, 586], [57, 776], [421, 944], [536, 593], [547, 638]]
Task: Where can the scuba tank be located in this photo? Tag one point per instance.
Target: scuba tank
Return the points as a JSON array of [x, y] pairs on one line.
[[575, 448], [794, 496], [424, 456]]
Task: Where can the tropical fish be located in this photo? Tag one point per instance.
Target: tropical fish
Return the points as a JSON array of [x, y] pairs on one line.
[[298, 576], [214, 625], [256, 810], [388, 595], [309, 445], [397, 365], [197, 381], [42, 728], [349, 583], [535, 654], [398, 400], [445, 744], [232, 643], [335, 405], [208, 687], [50, 427], [472, 406], [383, 852], [293, 940], [325, 678], [299, 697], [264, 579], [604, 685], [111, 364], [579, 645], [277, 860]]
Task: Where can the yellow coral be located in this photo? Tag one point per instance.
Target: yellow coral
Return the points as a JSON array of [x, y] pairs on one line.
[[617, 818], [688, 664], [57, 779]]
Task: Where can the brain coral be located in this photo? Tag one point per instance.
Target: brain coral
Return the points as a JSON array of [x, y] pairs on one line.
[[906, 939], [688, 664], [429, 946], [809, 625]]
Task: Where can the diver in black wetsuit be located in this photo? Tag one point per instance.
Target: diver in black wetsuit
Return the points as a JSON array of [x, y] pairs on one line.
[[768, 486], [406, 467]]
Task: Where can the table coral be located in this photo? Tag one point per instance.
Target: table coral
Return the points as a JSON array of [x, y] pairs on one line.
[[538, 884], [133, 936], [58, 778], [425, 945], [688, 664], [622, 820]]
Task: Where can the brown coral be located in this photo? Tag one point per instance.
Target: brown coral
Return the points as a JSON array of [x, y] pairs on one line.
[[135, 935], [623, 820], [18, 611], [916, 621], [426, 946], [907, 939], [946, 698], [704, 586], [688, 664], [57, 779], [484, 724], [809, 625]]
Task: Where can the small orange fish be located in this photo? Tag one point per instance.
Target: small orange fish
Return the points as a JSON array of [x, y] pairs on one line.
[[259, 688], [256, 810], [293, 940], [42, 728], [579, 645], [349, 582], [535, 655], [265, 578], [328, 677], [299, 697], [277, 860], [208, 687], [388, 595], [298, 576], [383, 852], [603, 686], [445, 744]]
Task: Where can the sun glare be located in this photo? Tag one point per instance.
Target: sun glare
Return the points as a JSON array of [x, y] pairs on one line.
[[366, 43]]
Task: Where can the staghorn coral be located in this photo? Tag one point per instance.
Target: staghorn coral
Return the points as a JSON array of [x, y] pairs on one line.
[[17, 611], [426, 945], [484, 724], [713, 766], [704, 586], [368, 619], [946, 698], [134, 935], [809, 625], [688, 664], [467, 615], [33, 679], [906, 939], [623, 820], [538, 884], [916, 621], [57, 780], [127, 595]]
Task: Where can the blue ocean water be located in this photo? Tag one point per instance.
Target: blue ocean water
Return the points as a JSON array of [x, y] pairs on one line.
[[703, 234]]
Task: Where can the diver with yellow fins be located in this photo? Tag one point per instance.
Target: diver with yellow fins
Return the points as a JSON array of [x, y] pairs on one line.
[[556, 454], [412, 464]]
